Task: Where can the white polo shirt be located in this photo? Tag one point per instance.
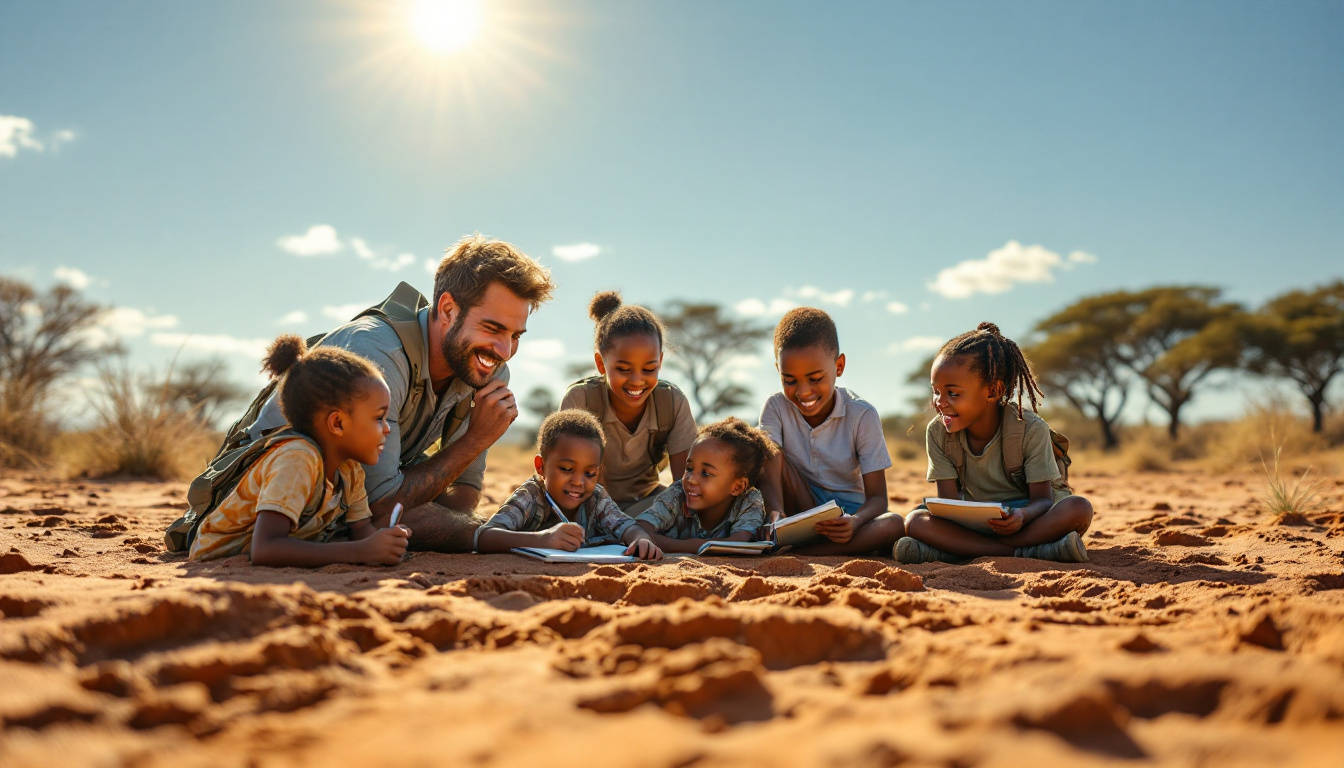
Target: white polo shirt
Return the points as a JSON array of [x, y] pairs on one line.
[[835, 455]]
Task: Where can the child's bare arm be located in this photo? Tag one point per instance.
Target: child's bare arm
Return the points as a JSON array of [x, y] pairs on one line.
[[273, 546], [667, 543], [771, 488], [635, 536], [947, 489], [566, 536], [362, 529], [841, 529], [1042, 498], [676, 464]]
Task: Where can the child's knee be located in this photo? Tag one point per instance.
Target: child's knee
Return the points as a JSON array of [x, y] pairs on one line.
[[916, 520], [1078, 513]]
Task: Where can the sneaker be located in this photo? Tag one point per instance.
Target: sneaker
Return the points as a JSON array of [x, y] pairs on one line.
[[1069, 549], [910, 551]]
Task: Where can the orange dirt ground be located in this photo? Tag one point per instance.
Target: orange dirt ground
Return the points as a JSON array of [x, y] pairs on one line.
[[1202, 633]]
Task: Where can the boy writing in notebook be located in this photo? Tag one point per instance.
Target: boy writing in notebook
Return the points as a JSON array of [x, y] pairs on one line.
[[830, 440]]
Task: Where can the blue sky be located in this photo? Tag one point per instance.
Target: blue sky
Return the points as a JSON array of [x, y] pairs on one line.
[[846, 155]]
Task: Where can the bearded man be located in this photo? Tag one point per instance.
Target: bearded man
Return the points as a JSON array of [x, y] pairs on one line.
[[484, 291]]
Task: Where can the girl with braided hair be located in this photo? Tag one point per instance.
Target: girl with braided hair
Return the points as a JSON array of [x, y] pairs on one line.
[[979, 381]]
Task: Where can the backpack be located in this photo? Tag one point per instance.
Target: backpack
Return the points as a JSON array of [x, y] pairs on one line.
[[239, 452], [1013, 435], [595, 402]]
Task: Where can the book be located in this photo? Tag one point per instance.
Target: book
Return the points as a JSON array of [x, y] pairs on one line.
[[734, 547], [971, 514], [798, 529], [608, 553]]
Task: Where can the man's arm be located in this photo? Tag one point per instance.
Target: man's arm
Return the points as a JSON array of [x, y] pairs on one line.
[[492, 413]]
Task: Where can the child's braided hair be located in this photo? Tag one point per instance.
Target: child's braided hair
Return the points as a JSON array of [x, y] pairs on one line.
[[997, 359], [314, 381], [750, 446], [616, 320]]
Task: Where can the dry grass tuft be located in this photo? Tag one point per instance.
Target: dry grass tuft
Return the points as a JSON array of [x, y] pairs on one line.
[[1288, 500]]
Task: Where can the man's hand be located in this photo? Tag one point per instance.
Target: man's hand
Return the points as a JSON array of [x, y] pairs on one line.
[[493, 411], [566, 536], [839, 530], [386, 546], [1009, 524], [644, 549]]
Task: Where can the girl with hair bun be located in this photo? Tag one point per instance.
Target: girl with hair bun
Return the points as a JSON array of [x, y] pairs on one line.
[[645, 421], [983, 446], [292, 501]]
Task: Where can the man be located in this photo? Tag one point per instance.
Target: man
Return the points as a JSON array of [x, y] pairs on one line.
[[484, 291]]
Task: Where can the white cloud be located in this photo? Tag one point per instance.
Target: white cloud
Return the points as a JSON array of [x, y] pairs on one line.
[[539, 358], [576, 252], [394, 264], [218, 343], [319, 240], [431, 266], [758, 308], [874, 295], [73, 277], [343, 312], [361, 248], [897, 308], [17, 133], [839, 298], [916, 343], [61, 137], [1001, 269], [296, 317], [129, 321]]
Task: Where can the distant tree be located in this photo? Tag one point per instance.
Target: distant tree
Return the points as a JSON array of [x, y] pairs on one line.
[[204, 389], [540, 403], [705, 343], [1300, 336], [1079, 358], [44, 338]]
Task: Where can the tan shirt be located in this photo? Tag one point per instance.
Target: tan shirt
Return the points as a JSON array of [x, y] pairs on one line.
[[627, 474], [986, 478]]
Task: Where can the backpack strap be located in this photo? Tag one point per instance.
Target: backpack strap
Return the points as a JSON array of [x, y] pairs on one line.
[[401, 310], [663, 409], [1013, 438], [594, 396]]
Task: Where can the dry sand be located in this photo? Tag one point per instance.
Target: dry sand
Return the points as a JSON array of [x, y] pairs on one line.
[[1201, 633]]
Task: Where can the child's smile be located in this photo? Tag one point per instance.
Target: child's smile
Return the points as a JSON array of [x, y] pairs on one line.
[[569, 471], [368, 429], [711, 481], [807, 376], [962, 399], [631, 366]]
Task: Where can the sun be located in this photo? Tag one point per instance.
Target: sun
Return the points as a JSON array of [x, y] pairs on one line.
[[446, 26]]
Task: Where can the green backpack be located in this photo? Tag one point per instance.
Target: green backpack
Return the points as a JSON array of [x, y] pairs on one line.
[[1013, 434], [238, 453], [595, 402]]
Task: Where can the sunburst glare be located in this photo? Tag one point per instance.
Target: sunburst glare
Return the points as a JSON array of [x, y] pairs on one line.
[[446, 26]]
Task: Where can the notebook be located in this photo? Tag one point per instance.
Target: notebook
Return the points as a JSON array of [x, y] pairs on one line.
[[719, 548], [971, 514], [798, 529], [608, 553]]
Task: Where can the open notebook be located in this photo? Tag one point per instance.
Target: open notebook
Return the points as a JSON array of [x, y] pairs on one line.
[[719, 548], [607, 553], [971, 514], [799, 528]]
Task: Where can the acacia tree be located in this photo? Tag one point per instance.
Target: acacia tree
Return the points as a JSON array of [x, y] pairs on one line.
[[1300, 336], [1079, 358], [43, 339], [540, 403], [704, 345]]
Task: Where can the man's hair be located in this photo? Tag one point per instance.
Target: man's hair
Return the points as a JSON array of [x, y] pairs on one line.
[[470, 266], [571, 422], [806, 327]]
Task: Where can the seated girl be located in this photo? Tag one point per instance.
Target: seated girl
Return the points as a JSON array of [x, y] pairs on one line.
[[562, 506], [716, 499], [288, 504], [975, 378]]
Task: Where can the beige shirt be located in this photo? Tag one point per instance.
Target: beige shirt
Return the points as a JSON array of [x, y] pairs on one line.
[[627, 474], [986, 478]]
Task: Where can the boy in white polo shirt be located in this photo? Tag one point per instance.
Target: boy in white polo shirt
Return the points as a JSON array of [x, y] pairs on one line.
[[830, 440]]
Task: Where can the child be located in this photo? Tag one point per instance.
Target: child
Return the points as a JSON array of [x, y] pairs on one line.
[[643, 419], [281, 510], [562, 506], [831, 442], [975, 377], [715, 499]]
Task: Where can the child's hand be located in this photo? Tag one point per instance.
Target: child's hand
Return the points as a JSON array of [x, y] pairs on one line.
[[839, 530], [644, 549], [772, 516], [566, 536], [1009, 524], [386, 546]]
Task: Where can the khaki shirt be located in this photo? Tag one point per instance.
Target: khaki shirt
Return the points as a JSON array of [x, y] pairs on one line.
[[529, 510], [986, 478], [284, 480], [626, 472]]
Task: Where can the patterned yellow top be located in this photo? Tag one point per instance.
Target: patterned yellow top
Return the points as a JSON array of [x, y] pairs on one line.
[[284, 480]]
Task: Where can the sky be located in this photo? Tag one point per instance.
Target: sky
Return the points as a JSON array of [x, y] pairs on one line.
[[224, 172]]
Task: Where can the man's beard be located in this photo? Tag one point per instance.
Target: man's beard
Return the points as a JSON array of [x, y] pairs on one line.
[[458, 353]]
